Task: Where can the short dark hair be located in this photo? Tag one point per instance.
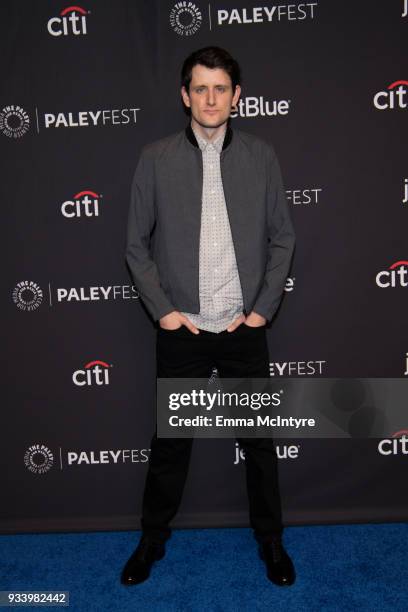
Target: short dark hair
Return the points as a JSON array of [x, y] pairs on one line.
[[211, 57]]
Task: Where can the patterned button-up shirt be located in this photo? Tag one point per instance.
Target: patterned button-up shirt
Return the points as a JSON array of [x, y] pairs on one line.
[[220, 289]]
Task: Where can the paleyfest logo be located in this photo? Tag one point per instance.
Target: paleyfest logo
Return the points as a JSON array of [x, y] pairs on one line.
[[14, 121], [96, 294], [297, 368], [395, 276], [112, 457], [39, 459], [185, 18], [97, 118], [72, 20], [83, 204], [261, 14], [304, 196], [28, 295], [395, 96]]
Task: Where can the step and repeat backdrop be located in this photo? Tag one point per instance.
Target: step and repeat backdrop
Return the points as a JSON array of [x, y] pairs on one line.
[[84, 88]]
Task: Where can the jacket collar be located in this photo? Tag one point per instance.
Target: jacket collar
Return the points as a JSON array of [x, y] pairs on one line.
[[193, 140]]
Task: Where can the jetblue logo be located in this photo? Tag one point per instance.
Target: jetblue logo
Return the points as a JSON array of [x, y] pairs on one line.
[[259, 107]]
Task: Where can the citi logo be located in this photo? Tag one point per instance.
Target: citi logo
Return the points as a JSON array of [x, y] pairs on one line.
[[94, 373], [83, 204], [254, 107], [72, 20], [395, 276], [394, 97], [396, 445]]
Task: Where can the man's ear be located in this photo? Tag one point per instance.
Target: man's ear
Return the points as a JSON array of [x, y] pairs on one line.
[[185, 96], [236, 95]]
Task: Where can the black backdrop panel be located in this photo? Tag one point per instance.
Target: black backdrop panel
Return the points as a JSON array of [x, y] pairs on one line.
[[83, 89]]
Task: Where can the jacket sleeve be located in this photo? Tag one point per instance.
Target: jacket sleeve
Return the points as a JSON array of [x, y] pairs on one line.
[[141, 221], [281, 242]]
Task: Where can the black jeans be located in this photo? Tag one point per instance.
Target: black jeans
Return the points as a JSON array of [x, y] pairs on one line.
[[239, 354]]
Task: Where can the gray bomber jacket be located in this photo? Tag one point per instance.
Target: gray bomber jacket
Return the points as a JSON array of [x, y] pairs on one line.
[[163, 234]]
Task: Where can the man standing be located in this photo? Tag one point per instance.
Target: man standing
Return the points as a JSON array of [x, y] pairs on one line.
[[210, 243]]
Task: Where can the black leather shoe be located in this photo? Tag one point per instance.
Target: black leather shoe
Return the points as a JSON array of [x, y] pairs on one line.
[[138, 566], [279, 565]]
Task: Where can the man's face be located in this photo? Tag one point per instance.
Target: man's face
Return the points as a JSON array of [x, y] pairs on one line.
[[210, 96]]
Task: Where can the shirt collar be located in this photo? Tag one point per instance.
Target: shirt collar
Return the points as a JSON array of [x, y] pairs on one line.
[[203, 143], [193, 140]]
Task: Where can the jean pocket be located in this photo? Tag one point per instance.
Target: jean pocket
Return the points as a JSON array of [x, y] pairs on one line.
[[252, 326]]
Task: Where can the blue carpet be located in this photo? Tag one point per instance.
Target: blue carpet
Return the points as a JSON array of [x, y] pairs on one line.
[[342, 567]]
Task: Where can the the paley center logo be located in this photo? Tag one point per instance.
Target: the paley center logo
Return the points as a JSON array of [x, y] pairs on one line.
[[27, 295], [38, 459], [14, 121], [185, 18], [83, 204], [396, 445], [252, 106], [71, 21], [395, 276], [93, 373], [393, 97]]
